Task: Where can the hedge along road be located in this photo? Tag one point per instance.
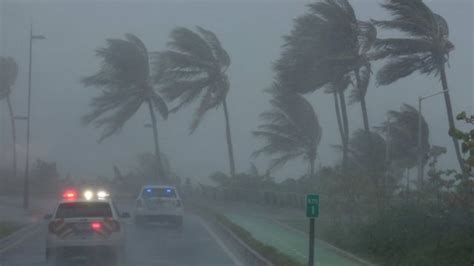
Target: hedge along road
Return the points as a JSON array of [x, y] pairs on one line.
[[287, 241]]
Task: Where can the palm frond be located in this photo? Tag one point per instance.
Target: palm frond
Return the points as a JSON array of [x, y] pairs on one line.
[[160, 105], [291, 127], [191, 43], [114, 122], [395, 47], [215, 95], [220, 54], [399, 68]]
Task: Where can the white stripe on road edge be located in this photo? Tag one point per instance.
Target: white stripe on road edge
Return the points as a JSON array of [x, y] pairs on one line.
[[25, 236], [221, 244]]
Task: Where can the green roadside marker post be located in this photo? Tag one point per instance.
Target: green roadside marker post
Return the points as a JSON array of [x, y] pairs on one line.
[[312, 212]]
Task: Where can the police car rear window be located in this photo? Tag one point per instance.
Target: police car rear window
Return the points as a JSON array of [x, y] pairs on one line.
[[159, 193], [84, 209]]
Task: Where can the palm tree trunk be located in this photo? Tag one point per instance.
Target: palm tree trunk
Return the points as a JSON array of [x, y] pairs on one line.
[[160, 173], [229, 140], [339, 119], [12, 119], [449, 110], [363, 105], [345, 123]]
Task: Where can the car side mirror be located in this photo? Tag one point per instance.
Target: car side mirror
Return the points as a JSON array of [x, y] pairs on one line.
[[48, 216], [125, 215]]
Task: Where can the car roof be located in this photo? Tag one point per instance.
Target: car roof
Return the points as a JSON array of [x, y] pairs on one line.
[[157, 186], [84, 200]]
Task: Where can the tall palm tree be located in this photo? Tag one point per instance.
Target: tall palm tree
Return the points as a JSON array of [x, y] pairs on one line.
[[291, 129], [126, 85], [425, 48], [329, 45], [8, 74], [195, 68]]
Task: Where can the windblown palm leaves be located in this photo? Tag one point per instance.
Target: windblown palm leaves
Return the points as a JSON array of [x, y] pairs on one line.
[[125, 84], [291, 129], [424, 48], [329, 45], [195, 68], [401, 129]]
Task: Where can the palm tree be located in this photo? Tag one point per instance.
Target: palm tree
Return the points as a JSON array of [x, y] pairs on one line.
[[126, 85], [401, 129], [329, 45], [8, 74], [291, 129], [424, 49], [368, 152], [195, 68]]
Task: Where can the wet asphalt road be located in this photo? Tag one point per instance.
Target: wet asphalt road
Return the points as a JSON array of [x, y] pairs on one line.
[[195, 244]]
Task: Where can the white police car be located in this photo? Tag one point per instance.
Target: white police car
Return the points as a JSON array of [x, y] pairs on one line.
[[159, 204], [87, 227]]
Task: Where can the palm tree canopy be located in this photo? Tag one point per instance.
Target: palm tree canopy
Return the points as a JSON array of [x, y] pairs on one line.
[[402, 131], [424, 48], [194, 68], [367, 151], [124, 80], [291, 128], [8, 74], [325, 44]]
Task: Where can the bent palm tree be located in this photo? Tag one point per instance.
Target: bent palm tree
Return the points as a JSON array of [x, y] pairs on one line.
[[291, 129], [8, 74], [125, 83], [195, 68], [329, 45], [425, 49]]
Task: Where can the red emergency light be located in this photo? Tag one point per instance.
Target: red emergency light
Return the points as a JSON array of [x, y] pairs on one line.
[[70, 194]]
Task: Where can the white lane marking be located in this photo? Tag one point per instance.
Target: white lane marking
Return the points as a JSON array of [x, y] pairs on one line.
[[221, 244]]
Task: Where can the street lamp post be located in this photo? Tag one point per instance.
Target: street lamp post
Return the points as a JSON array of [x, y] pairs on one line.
[[421, 151], [28, 120]]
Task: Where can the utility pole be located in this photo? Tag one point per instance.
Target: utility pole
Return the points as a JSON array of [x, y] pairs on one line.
[[28, 121]]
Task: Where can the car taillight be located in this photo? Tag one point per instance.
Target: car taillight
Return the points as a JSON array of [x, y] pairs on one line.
[[96, 226]]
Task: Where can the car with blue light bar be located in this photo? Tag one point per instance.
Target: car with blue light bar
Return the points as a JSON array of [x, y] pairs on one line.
[[87, 225], [159, 204]]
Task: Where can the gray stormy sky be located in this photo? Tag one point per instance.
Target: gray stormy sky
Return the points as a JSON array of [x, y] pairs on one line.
[[251, 32]]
